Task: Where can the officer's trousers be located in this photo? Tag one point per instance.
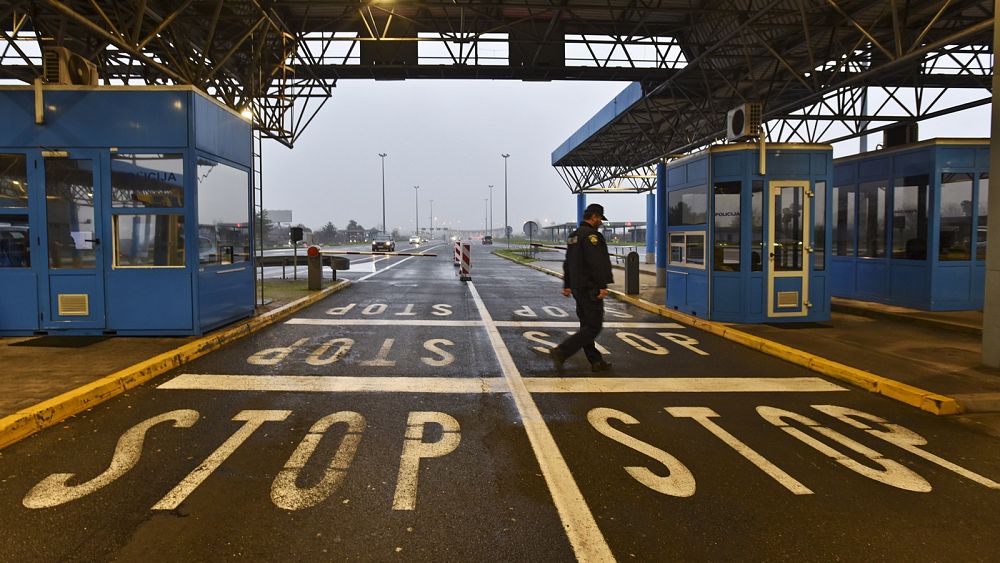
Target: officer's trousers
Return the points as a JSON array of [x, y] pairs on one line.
[[590, 311]]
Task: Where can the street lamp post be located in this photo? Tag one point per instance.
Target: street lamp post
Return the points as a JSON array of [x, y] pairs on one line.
[[486, 215], [432, 218], [383, 155], [506, 223], [491, 210], [416, 210]]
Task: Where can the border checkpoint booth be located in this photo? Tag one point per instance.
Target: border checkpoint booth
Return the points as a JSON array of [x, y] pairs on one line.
[[747, 241], [125, 211], [909, 225]]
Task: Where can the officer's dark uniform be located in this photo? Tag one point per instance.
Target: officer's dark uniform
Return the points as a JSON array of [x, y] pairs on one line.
[[587, 270]]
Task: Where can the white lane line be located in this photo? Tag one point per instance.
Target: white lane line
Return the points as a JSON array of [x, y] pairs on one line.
[[378, 322], [679, 385], [564, 324], [475, 385], [584, 536], [431, 322], [334, 384]]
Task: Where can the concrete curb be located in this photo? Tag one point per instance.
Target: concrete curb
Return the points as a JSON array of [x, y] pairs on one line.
[[914, 396], [26, 422]]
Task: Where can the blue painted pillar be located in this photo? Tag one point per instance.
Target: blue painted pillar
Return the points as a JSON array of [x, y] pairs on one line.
[[661, 225], [650, 227], [581, 204]]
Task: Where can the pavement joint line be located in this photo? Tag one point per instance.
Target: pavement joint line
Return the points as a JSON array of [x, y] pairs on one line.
[[50, 412], [582, 531], [924, 400], [488, 385]]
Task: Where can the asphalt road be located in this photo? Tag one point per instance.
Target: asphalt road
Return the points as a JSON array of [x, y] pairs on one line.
[[409, 417]]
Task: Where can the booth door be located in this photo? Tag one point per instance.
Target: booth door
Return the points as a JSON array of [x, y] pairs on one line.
[[788, 236], [72, 292]]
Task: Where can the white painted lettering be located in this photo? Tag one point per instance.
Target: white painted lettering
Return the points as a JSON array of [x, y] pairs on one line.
[[273, 356], [343, 347], [340, 310], [616, 313], [539, 337], [678, 483], [433, 346], [892, 473], [407, 312], [902, 437], [555, 311], [253, 420], [703, 416], [382, 359], [525, 312], [53, 490], [375, 309], [684, 340], [286, 494], [642, 343], [441, 310], [415, 449]]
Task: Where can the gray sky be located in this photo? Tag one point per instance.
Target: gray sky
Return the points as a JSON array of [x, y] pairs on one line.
[[447, 137]]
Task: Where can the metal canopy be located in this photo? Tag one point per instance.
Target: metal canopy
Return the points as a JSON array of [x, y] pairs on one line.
[[825, 71], [807, 60]]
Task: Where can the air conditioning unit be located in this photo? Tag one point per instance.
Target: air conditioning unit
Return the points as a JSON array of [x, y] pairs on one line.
[[744, 121], [62, 66]]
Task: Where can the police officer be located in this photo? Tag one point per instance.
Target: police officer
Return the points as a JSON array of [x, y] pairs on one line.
[[587, 273]]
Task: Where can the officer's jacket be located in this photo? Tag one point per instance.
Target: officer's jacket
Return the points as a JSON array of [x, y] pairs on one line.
[[587, 264]]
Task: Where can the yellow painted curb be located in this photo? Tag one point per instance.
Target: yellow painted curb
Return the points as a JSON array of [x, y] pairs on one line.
[[48, 413], [902, 392]]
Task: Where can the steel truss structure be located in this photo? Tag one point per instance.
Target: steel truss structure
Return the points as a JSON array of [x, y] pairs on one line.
[[826, 70]]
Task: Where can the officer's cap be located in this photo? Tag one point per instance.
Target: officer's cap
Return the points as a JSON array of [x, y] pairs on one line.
[[594, 209]]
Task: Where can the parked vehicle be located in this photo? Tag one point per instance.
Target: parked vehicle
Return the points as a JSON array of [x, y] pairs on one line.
[[383, 242]]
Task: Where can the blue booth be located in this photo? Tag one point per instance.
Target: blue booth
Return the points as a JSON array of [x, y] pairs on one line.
[[747, 241], [123, 210], [909, 225]]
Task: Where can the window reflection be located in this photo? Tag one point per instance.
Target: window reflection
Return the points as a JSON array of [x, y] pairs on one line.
[[984, 204], [910, 200], [871, 219], [843, 220], [788, 229], [223, 214], [13, 180], [819, 226], [149, 240], [757, 227], [147, 180], [687, 206], [956, 216], [726, 257], [15, 252], [69, 211]]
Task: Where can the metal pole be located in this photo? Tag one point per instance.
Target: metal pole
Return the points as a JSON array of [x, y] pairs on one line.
[[991, 289], [416, 210], [491, 209], [486, 215], [383, 155], [506, 223], [432, 218]]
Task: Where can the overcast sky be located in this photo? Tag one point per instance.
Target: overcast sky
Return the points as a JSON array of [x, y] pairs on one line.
[[447, 138]]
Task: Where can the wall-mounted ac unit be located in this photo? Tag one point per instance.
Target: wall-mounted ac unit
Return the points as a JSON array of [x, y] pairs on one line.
[[62, 66], [744, 121]]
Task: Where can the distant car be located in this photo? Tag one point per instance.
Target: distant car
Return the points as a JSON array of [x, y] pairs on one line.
[[487, 239], [415, 240], [383, 243]]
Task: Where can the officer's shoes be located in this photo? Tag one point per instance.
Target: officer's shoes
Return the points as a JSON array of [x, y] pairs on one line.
[[557, 358], [600, 365]]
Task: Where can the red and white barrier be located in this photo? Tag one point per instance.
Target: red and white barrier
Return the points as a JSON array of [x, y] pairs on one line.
[[456, 257], [465, 271]]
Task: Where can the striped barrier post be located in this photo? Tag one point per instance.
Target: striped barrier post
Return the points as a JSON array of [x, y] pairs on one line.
[[456, 257], [466, 268]]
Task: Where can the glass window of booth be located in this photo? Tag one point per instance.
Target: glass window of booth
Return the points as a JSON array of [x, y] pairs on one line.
[[13, 181], [984, 193], [956, 216], [223, 213], [726, 256], [687, 249], [819, 226], [872, 199], [69, 213], [688, 206], [15, 250], [149, 240], [757, 226], [843, 220], [910, 202], [147, 180]]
